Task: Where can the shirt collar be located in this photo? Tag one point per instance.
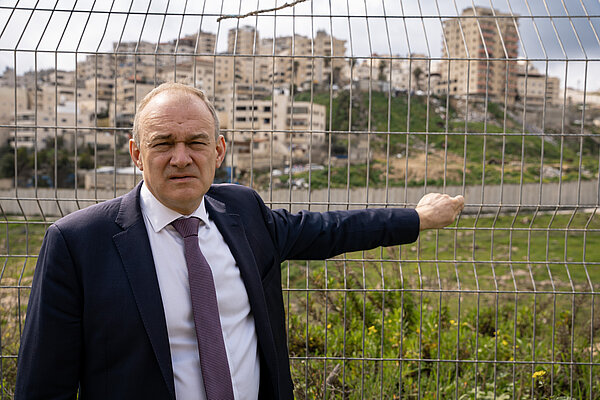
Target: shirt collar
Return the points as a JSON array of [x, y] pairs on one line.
[[160, 215]]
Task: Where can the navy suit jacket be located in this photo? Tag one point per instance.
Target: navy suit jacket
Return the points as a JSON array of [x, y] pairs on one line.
[[95, 320]]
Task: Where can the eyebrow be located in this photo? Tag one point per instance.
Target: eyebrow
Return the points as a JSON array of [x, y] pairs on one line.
[[199, 135], [159, 137], [168, 136]]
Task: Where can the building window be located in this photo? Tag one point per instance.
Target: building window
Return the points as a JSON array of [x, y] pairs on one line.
[[298, 110]]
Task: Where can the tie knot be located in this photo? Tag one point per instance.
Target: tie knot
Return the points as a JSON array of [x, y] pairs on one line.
[[186, 226]]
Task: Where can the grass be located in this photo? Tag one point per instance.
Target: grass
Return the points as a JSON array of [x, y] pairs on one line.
[[21, 241], [551, 245]]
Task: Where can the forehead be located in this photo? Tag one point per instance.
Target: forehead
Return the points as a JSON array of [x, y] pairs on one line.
[[174, 112]]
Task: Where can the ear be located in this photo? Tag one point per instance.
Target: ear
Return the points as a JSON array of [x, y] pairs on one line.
[[134, 151], [221, 147]]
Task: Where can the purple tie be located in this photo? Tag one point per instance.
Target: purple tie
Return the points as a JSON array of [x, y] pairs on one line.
[[213, 356]]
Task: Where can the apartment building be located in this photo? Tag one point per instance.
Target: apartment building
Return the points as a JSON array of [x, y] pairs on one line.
[[128, 95], [250, 124], [38, 129], [242, 62], [243, 40], [407, 73], [144, 61], [101, 87], [303, 61], [533, 87], [26, 135], [51, 104], [480, 52], [49, 97], [330, 68], [190, 45], [554, 91], [105, 89], [306, 121], [7, 102], [9, 108], [199, 73], [97, 74], [184, 50], [259, 129], [130, 53], [202, 43], [97, 66]]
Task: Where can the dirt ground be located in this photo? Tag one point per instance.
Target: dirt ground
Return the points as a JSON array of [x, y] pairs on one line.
[[433, 163]]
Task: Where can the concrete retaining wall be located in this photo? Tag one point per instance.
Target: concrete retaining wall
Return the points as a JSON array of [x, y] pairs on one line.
[[51, 203]]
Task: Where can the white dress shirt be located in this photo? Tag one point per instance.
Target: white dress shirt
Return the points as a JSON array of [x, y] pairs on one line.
[[237, 321]]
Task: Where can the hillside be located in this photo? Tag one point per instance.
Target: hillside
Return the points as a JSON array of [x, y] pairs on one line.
[[440, 147]]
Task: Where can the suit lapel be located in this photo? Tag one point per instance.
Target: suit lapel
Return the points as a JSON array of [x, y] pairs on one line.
[[234, 234], [134, 247]]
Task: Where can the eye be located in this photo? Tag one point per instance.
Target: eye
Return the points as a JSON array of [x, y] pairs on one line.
[[197, 143], [160, 145]]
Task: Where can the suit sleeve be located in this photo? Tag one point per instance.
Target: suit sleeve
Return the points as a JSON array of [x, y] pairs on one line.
[[50, 354], [314, 235]]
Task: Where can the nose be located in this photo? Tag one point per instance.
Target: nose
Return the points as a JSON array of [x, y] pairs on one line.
[[180, 156]]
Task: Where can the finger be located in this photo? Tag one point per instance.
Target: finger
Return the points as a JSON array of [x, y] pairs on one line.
[[461, 201]]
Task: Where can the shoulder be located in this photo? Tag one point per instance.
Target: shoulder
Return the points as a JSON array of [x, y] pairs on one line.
[[90, 219], [240, 200], [229, 189], [228, 193]]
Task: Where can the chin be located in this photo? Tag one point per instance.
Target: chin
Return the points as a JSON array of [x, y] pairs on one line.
[[183, 205], [183, 196]]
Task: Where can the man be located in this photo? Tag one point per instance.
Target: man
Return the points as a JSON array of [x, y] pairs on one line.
[[110, 313]]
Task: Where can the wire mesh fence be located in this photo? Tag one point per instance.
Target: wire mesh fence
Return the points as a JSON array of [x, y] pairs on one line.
[[340, 105]]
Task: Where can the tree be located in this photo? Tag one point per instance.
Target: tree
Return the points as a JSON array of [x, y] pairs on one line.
[[336, 75], [381, 75], [53, 163], [418, 73]]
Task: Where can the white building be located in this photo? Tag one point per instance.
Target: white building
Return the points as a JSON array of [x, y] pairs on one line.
[[404, 73], [259, 129]]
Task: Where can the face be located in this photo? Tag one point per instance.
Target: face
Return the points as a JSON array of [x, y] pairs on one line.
[[178, 152]]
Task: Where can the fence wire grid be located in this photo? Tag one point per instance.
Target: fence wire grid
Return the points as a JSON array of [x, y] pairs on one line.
[[342, 105]]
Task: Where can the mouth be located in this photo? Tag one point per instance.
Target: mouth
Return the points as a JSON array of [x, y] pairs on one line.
[[181, 178]]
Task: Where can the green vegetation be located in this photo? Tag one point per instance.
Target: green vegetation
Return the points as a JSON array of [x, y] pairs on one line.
[[455, 151], [409, 344], [21, 241], [522, 341], [50, 164], [420, 118], [55, 164]]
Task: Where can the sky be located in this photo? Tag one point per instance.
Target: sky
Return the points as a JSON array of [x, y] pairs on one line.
[[560, 35]]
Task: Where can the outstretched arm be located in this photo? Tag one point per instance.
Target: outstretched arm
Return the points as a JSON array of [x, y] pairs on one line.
[[438, 210]]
